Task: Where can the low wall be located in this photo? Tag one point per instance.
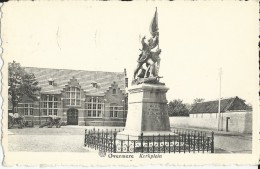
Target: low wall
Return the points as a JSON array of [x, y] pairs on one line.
[[240, 122]]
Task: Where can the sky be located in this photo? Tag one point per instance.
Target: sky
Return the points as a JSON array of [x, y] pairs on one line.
[[196, 39]]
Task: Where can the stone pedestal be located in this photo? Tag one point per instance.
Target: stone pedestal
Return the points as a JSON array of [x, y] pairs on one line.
[[147, 112]]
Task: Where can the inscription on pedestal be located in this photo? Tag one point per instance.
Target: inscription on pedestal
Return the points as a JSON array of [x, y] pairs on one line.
[[154, 110], [155, 117]]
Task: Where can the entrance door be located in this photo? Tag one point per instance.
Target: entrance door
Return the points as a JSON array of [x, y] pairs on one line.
[[227, 120], [72, 117]]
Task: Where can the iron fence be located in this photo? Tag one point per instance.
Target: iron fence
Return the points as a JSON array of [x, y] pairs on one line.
[[177, 142]]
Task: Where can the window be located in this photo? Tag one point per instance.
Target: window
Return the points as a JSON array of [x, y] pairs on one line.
[[114, 110], [114, 91], [49, 111], [44, 104], [51, 81], [55, 112], [89, 106], [45, 112], [111, 112], [50, 105], [94, 107], [89, 113], [72, 96], [28, 109]]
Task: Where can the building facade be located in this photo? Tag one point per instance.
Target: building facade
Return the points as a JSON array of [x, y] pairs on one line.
[[234, 115], [78, 97]]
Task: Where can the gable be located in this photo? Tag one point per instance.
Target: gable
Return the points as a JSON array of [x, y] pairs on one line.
[[238, 105], [230, 104]]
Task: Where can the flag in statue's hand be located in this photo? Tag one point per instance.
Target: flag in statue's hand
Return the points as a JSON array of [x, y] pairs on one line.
[[154, 24]]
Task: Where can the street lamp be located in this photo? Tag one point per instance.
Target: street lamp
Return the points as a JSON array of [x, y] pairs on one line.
[[39, 99]]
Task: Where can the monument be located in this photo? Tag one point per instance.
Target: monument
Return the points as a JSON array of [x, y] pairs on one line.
[[147, 103]]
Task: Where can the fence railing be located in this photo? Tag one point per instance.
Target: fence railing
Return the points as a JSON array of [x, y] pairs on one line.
[[177, 142]]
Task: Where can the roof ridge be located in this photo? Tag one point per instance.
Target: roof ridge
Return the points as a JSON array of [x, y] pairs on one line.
[[226, 98], [84, 77], [73, 69]]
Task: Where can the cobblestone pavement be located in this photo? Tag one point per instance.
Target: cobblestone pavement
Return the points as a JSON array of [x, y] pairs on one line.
[[46, 139], [228, 142], [233, 144], [71, 139]]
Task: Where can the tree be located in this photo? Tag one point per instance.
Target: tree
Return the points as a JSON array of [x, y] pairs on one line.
[[20, 84], [197, 100], [177, 108]]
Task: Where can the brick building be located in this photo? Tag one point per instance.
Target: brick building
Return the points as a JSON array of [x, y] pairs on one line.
[[79, 97]]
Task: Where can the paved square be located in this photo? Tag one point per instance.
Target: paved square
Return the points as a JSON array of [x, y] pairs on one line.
[[71, 139], [47, 139]]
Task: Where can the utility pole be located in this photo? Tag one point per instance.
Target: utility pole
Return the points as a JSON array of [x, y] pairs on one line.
[[219, 100]]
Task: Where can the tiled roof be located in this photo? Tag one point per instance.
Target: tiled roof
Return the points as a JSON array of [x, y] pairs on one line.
[[85, 78], [229, 104]]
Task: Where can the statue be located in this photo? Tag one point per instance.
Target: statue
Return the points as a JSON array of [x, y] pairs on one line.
[[148, 63]]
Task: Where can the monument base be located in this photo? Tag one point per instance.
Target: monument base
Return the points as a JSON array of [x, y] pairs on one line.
[[147, 112]]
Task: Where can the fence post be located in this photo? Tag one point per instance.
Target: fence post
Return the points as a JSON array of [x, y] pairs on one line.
[[179, 143], [164, 143], [90, 138], [98, 137], [159, 144], [169, 143], [212, 143], [85, 140], [111, 142], [207, 144], [134, 146], [148, 142], [153, 143], [102, 140], [142, 146], [122, 142], [203, 144], [114, 143], [106, 140], [127, 150], [184, 141], [174, 143], [201, 141], [194, 142], [189, 141], [198, 142]]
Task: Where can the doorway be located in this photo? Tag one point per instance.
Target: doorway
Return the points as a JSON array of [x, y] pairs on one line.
[[227, 121], [72, 117]]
